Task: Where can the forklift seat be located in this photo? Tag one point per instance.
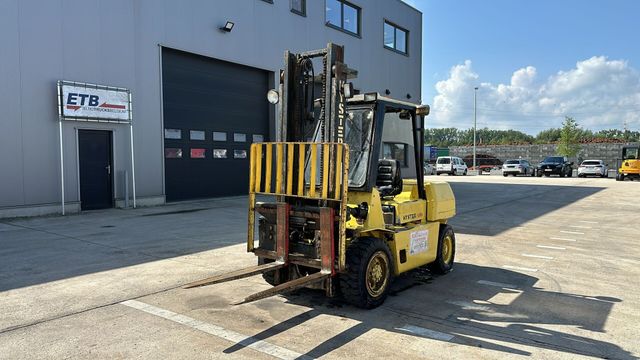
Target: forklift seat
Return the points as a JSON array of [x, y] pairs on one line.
[[389, 180]]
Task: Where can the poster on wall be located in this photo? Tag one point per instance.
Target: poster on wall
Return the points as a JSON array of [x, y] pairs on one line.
[[97, 102]]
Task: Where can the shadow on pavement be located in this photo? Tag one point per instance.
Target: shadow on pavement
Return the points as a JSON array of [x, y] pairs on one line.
[[524, 310], [490, 209], [40, 250]]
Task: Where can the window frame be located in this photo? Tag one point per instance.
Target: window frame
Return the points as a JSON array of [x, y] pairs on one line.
[[297, 12], [395, 28], [341, 27], [268, 1], [405, 150]]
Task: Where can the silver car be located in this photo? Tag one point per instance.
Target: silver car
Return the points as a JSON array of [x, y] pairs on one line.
[[593, 168], [429, 169], [517, 167]]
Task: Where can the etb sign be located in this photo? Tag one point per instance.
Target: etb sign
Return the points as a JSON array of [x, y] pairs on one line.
[[94, 102]]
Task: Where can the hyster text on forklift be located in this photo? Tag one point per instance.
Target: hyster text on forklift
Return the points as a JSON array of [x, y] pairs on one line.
[[338, 217]]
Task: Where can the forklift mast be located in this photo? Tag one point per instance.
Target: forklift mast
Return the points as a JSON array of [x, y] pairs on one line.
[[304, 114]]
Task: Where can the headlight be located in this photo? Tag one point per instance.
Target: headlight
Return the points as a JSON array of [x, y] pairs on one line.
[[273, 96]]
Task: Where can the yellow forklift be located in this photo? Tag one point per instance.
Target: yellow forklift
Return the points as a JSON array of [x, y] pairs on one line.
[[630, 163], [327, 211]]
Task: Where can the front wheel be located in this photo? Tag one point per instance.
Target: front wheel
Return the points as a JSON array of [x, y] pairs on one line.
[[619, 177], [369, 266], [464, 173], [446, 251]]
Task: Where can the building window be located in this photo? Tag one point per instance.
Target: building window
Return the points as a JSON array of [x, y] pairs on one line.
[[299, 7], [343, 16], [196, 135], [198, 153], [257, 138], [395, 37], [219, 153], [219, 136], [173, 153], [396, 151], [239, 137], [239, 154], [175, 134]]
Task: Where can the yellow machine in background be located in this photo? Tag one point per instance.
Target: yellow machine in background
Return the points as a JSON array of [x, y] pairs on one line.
[[630, 164], [330, 213]]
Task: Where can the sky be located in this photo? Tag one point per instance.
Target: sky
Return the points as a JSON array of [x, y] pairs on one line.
[[534, 62]]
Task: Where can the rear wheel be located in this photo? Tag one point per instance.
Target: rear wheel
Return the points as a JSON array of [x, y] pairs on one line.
[[446, 251], [464, 173], [505, 175], [620, 177], [369, 265]]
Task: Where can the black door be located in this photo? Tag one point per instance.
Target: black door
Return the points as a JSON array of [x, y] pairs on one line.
[[213, 111], [96, 169]]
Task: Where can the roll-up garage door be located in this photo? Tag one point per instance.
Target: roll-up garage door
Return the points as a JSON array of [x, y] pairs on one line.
[[213, 111]]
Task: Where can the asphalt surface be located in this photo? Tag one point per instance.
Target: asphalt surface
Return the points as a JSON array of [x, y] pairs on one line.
[[545, 268]]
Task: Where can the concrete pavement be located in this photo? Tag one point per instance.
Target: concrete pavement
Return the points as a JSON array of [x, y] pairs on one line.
[[546, 267]]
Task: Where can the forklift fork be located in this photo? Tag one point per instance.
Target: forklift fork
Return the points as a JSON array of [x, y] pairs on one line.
[[282, 260]]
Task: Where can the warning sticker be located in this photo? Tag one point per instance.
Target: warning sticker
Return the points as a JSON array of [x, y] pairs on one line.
[[419, 241]]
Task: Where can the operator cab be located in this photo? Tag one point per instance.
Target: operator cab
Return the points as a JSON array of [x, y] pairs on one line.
[[385, 139]]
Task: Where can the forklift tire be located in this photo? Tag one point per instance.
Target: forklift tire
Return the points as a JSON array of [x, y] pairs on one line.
[[369, 273], [446, 251], [270, 277]]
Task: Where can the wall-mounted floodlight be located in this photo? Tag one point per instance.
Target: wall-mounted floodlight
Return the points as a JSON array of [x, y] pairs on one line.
[[273, 96], [228, 26]]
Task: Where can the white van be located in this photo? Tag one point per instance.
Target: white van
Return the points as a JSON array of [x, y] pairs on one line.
[[451, 165]]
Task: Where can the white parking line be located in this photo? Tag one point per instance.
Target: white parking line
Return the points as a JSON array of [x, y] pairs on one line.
[[572, 232], [563, 239], [538, 256], [588, 222], [417, 330], [496, 284], [232, 336], [580, 227], [519, 268], [467, 305], [551, 247]]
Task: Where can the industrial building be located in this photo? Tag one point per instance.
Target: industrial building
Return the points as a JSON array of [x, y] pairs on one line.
[[197, 73]]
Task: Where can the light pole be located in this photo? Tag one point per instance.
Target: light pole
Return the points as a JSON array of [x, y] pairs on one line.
[[475, 112]]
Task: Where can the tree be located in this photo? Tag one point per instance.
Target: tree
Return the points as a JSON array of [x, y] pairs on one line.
[[570, 134], [548, 136]]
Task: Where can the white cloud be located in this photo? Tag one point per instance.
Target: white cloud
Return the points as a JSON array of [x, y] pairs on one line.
[[599, 93]]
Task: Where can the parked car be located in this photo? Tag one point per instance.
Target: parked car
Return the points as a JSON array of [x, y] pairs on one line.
[[429, 169], [484, 169], [555, 165], [517, 167], [593, 167], [451, 165]]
